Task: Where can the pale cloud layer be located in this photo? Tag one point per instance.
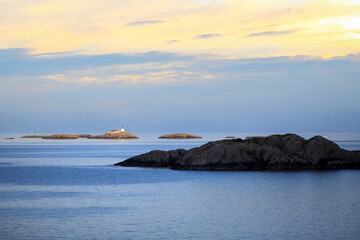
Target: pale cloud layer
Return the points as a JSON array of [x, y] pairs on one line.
[[328, 28]]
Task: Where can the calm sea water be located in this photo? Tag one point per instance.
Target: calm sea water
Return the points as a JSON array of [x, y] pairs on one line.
[[69, 189]]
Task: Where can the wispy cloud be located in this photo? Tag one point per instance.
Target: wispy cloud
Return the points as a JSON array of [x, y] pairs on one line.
[[137, 23], [11, 60], [172, 41], [272, 33], [209, 35], [164, 73], [157, 77]]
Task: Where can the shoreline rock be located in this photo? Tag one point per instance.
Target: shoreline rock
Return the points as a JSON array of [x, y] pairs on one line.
[[273, 153], [179, 136]]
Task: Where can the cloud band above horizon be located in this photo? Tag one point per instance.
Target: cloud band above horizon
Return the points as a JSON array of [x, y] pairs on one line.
[[328, 28]]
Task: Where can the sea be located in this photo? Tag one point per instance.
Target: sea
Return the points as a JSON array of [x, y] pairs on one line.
[[70, 189]]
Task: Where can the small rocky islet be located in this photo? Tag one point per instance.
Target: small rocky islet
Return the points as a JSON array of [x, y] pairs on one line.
[[119, 135], [34, 136], [179, 136], [273, 153], [59, 136], [113, 134]]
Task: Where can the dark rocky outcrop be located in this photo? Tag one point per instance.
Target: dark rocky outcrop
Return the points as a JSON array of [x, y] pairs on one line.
[[156, 159], [179, 136], [275, 152]]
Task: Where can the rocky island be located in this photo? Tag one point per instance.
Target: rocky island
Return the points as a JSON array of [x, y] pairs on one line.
[[34, 136], [123, 135], [61, 136], [179, 136], [274, 153], [115, 134]]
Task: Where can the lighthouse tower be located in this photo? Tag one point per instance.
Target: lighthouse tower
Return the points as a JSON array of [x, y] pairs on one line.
[[122, 129]]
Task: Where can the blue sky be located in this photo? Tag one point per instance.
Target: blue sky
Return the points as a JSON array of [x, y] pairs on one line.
[[158, 91], [87, 66]]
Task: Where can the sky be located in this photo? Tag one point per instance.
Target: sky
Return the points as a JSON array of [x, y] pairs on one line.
[[87, 66]]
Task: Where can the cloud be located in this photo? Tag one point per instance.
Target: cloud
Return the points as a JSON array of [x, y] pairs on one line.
[[272, 33], [204, 87], [103, 27], [354, 57], [11, 60], [137, 23], [150, 77], [13, 53], [148, 68], [172, 41], [209, 35]]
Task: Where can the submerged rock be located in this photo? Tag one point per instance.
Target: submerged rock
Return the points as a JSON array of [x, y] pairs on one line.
[[275, 152]]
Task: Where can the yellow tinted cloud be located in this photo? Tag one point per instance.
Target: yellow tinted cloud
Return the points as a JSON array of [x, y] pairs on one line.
[[168, 77], [258, 28]]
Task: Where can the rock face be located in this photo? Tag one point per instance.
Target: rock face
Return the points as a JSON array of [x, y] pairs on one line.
[[179, 136], [120, 135], [276, 152], [61, 136]]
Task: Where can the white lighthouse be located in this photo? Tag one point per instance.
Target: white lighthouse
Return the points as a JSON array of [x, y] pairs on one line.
[[122, 129]]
